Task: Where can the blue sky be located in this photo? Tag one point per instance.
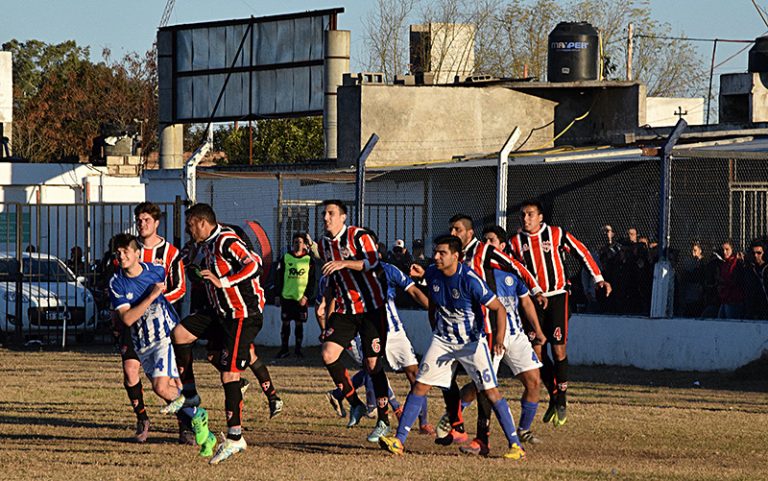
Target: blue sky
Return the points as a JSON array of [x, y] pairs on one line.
[[131, 26]]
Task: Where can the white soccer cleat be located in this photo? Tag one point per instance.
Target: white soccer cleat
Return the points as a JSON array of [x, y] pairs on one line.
[[227, 448]]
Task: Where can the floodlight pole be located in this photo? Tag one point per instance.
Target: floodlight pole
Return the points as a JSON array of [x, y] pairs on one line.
[[501, 179], [360, 178]]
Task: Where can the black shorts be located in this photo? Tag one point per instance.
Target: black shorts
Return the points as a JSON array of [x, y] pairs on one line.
[[553, 319], [372, 326], [226, 335], [291, 310]]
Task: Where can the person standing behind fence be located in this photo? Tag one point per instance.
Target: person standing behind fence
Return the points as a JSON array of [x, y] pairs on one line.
[[730, 284], [295, 285], [756, 277], [542, 249], [692, 278]]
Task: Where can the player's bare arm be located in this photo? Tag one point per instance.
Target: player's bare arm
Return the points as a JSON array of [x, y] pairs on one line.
[[129, 315], [501, 325], [333, 266], [529, 311], [418, 296]]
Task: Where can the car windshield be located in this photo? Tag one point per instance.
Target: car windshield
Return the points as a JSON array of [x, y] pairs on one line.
[[36, 270]]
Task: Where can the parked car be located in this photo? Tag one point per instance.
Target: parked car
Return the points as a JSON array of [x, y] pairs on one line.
[[51, 295]]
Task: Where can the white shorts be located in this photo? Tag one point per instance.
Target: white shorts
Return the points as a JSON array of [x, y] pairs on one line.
[[518, 355], [436, 369], [355, 350], [158, 360], [399, 351]]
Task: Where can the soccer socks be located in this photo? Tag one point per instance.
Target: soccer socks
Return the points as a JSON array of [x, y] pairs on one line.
[[381, 389], [358, 379], [370, 395], [423, 414], [503, 414], [561, 374], [527, 413], [136, 395], [484, 408], [298, 333], [262, 374], [341, 379], [548, 374], [452, 398], [285, 335], [233, 405], [413, 405], [183, 353]]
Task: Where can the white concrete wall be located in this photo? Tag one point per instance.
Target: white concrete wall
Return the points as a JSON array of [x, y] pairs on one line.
[[660, 111], [676, 344]]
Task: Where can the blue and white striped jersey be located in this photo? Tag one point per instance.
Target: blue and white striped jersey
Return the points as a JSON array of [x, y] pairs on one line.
[[395, 278], [457, 301], [509, 289], [159, 319]]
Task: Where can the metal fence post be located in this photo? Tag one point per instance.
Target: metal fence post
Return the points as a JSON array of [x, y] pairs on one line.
[[360, 181], [177, 206], [19, 275], [501, 179]]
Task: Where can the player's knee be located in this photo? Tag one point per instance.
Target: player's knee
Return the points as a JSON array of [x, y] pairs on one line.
[[492, 395], [329, 355]]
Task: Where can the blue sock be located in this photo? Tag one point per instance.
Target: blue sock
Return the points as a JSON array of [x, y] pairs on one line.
[[392, 398], [189, 411], [413, 404], [527, 413], [370, 395], [501, 408], [358, 378], [423, 413]]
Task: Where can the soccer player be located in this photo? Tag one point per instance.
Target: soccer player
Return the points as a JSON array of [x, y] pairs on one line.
[[542, 248], [230, 271], [456, 297], [519, 355], [136, 294], [351, 262], [154, 250], [295, 285]]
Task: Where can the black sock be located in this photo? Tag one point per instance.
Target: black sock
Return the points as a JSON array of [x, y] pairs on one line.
[[298, 332], [341, 379], [285, 335], [548, 373], [561, 373], [452, 398], [233, 405], [136, 395], [183, 353], [484, 410], [381, 389], [262, 374]]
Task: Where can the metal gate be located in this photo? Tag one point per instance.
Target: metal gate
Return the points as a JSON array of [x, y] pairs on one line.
[[748, 213], [52, 267]]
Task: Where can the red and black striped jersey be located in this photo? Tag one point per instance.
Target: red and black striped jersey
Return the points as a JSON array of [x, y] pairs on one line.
[[358, 291], [167, 255], [483, 258], [237, 267], [543, 252]]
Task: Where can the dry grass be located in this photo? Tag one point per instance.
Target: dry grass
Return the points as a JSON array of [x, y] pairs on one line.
[[66, 416]]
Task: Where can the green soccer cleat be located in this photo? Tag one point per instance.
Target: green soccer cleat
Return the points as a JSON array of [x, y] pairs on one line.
[[391, 444], [560, 417], [381, 429], [206, 448], [549, 415], [515, 453], [228, 448], [200, 426]]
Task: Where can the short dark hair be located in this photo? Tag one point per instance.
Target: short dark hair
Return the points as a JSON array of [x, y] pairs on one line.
[[338, 203], [300, 235], [532, 203], [122, 241], [497, 230], [466, 220], [453, 242], [148, 208], [201, 211]]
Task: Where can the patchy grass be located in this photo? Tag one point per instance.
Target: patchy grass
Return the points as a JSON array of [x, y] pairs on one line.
[[65, 415]]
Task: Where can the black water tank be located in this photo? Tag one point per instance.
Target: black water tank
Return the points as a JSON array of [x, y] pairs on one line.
[[573, 52], [758, 55]]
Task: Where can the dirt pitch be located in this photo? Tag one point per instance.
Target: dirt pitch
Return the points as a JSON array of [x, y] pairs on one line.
[[65, 415]]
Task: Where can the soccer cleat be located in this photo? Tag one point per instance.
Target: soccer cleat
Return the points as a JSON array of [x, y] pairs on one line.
[[298, 353], [174, 406], [200, 426], [381, 429], [187, 437], [206, 449], [282, 354], [244, 385], [275, 407], [427, 429], [452, 437], [549, 415], [515, 453], [475, 448], [227, 448], [391, 444], [527, 436], [560, 417], [443, 426], [142, 430], [337, 405], [356, 413]]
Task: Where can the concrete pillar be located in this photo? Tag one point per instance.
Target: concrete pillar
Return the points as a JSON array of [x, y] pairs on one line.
[[171, 146], [337, 44]]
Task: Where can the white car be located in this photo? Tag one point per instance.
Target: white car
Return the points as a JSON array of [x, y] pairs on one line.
[[52, 297]]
